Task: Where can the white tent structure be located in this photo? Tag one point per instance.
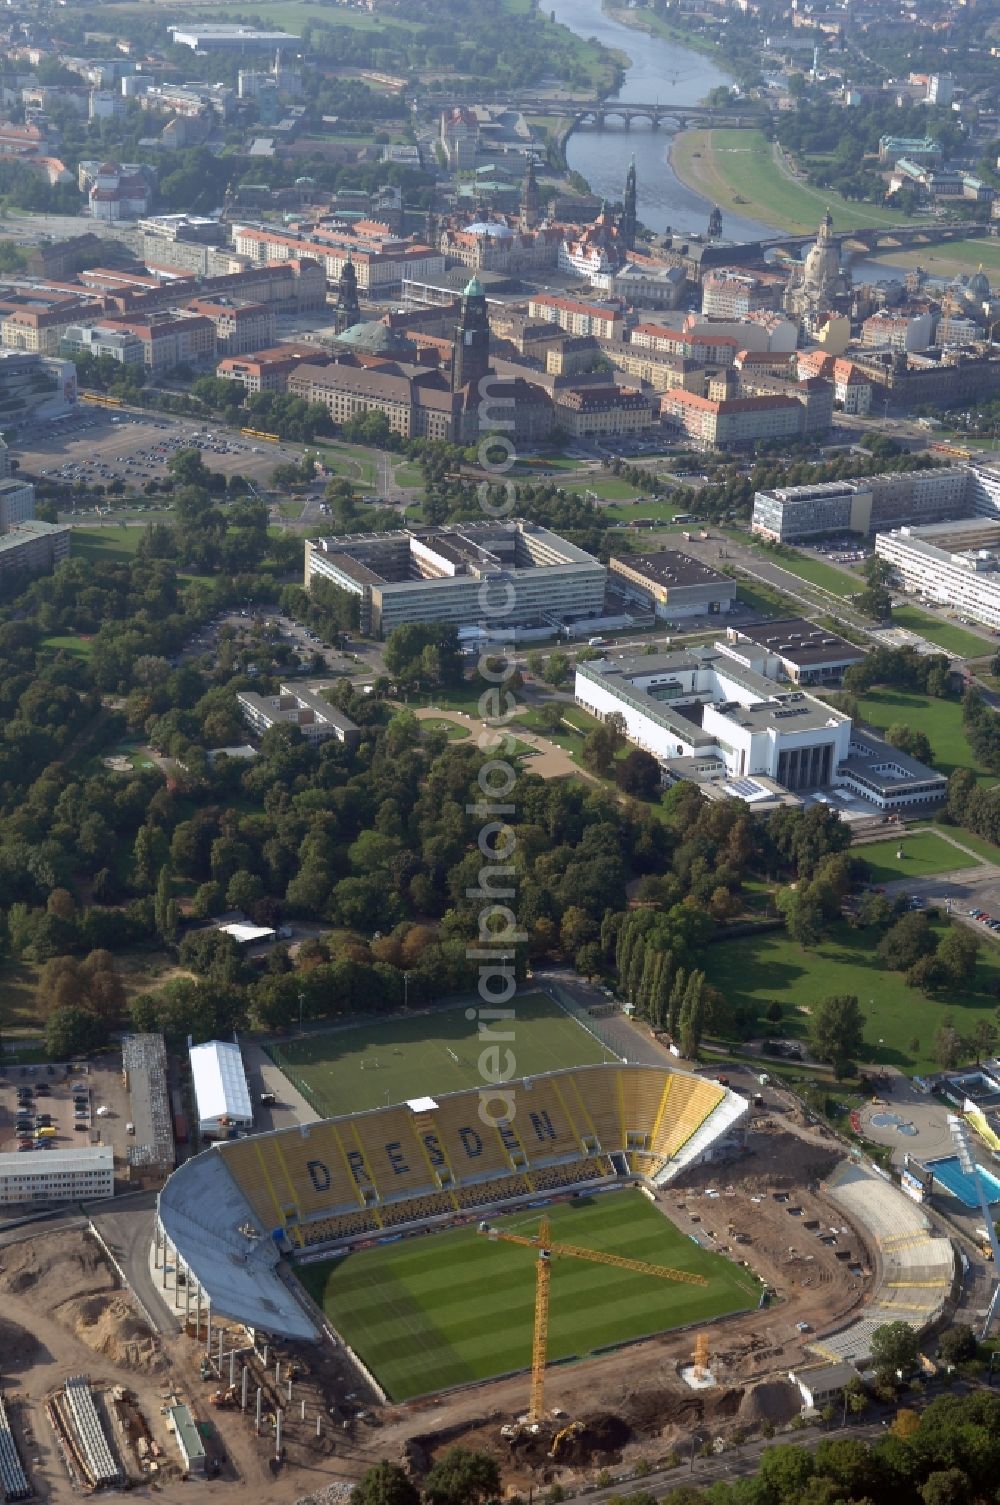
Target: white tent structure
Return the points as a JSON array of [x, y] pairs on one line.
[[221, 1094]]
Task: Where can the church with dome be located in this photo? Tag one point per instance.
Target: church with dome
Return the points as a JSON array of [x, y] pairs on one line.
[[818, 285]]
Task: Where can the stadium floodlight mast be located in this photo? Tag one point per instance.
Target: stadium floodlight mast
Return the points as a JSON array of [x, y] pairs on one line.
[[968, 1163]]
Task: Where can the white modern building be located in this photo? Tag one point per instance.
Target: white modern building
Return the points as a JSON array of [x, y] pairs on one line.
[[956, 565], [76, 1175], [720, 717], [222, 1097]]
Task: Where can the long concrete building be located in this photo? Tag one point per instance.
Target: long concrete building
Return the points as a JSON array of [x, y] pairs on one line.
[[865, 504], [956, 565], [514, 573]]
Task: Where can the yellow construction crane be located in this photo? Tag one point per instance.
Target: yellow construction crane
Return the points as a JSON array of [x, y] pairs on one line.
[[542, 1241]]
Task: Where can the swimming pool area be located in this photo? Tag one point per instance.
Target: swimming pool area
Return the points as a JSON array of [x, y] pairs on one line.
[[950, 1174]]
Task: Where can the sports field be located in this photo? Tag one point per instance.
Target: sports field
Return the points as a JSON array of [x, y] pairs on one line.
[[346, 1071], [456, 1307]]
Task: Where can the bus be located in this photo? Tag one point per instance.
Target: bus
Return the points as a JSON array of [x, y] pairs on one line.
[[683, 517], [101, 400], [260, 434]]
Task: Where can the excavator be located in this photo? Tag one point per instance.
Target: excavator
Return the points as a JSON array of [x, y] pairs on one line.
[[547, 1251]]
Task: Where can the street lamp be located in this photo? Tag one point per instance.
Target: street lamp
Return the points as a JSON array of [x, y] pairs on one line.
[[302, 999], [406, 990]]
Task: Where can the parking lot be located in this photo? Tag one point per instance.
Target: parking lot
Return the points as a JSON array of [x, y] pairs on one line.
[[242, 629], [95, 446], [63, 1106]]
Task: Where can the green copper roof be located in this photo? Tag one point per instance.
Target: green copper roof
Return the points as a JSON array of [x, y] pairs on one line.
[[474, 288]]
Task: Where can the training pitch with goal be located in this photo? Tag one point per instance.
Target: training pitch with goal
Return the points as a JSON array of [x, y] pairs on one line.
[[447, 1309], [350, 1070]]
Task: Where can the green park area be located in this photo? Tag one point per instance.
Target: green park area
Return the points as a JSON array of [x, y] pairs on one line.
[[69, 642], [941, 720], [111, 544], [900, 1021], [451, 729], [945, 635], [827, 576], [923, 854], [457, 1307]]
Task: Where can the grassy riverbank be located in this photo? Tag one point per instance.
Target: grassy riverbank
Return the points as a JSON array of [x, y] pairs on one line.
[[738, 171]]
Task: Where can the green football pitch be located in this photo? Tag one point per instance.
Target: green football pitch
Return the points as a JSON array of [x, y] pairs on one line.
[[453, 1308], [349, 1070]]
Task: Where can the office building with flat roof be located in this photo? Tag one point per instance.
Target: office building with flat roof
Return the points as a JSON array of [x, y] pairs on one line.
[[864, 504], [32, 547], [201, 36], [76, 1175], [955, 565], [304, 706], [801, 651], [467, 574], [672, 584]]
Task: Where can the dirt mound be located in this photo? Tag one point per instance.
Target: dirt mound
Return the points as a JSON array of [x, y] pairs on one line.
[[111, 1326], [659, 1412], [776, 1401], [20, 1349], [70, 1264]]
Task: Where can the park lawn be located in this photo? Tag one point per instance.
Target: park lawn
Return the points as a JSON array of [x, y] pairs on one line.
[[290, 14], [453, 732], [352, 1070], [945, 635], [826, 576], [737, 170], [409, 475], [665, 511], [110, 544], [606, 489], [456, 1307], [940, 719], [976, 844], [69, 643], [924, 853], [759, 969]]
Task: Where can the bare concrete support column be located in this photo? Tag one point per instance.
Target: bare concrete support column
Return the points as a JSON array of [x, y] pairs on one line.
[[267, 1348], [197, 1313], [157, 1236], [208, 1331], [221, 1337], [243, 1392], [187, 1297], [277, 1372], [302, 1412], [232, 1366], [277, 1434], [319, 1424], [256, 1425], [289, 1392]]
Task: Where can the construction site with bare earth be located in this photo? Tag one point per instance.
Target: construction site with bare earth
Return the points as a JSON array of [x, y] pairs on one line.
[[646, 1260]]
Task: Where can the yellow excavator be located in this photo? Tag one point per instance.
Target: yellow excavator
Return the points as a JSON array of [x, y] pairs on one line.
[[547, 1250]]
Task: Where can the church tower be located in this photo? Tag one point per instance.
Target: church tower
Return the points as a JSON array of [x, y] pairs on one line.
[[530, 198], [348, 307], [715, 224], [470, 346], [629, 220]]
